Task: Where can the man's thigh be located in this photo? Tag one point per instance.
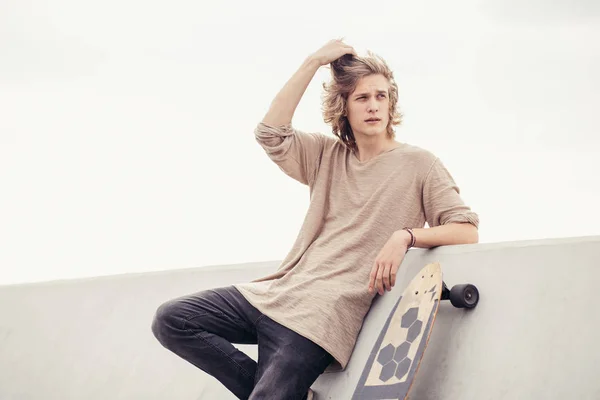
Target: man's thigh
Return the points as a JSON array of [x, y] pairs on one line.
[[221, 311]]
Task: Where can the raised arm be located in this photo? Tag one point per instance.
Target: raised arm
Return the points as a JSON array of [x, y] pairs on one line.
[[297, 153], [286, 101]]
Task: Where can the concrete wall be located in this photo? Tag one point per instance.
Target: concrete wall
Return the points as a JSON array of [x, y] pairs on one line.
[[533, 335]]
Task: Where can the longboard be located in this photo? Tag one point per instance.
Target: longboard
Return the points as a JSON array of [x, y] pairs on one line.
[[397, 353]]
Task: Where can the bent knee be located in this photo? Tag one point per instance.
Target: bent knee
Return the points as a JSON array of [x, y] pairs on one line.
[[165, 320]]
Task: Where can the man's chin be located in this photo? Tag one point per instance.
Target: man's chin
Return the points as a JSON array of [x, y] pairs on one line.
[[374, 131]]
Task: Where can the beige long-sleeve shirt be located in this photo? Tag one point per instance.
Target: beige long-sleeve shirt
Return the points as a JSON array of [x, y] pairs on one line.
[[320, 290]]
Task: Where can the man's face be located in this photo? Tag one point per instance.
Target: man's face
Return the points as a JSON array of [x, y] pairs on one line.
[[368, 106]]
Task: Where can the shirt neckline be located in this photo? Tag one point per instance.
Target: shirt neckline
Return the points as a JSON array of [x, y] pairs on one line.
[[378, 156]]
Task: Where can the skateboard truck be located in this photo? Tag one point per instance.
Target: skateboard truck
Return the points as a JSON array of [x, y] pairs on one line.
[[461, 296]]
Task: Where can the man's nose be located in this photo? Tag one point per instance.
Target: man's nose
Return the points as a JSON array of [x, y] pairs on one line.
[[373, 106]]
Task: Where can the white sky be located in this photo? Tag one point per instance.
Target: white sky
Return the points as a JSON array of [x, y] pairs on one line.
[[126, 127]]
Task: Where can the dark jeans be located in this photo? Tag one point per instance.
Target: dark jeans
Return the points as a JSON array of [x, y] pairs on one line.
[[201, 328]]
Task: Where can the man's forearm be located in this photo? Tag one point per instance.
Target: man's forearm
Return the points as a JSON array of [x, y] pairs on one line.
[[442, 235], [285, 103]]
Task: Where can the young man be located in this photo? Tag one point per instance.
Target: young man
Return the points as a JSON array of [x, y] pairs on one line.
[[370, 199]]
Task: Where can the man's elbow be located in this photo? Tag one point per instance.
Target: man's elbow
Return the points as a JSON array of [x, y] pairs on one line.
[[469, 233], [475, 237], [472, 234]]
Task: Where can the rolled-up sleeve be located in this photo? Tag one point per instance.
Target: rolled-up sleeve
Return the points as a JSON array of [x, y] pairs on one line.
[[442, 201], [297, 153]]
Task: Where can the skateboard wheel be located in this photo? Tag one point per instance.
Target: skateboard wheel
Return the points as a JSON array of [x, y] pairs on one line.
[[464, 296]]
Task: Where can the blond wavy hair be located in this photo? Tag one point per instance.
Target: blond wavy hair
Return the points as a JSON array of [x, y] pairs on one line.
[[346, 71]]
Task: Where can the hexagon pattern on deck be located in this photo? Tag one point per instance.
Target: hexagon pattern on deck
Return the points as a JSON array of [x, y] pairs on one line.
[[395, 360]]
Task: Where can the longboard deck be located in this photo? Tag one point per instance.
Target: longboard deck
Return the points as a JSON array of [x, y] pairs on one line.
[[397, 353]]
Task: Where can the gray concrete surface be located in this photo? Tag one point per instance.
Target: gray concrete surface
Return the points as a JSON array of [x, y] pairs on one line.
[[533, 335]]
